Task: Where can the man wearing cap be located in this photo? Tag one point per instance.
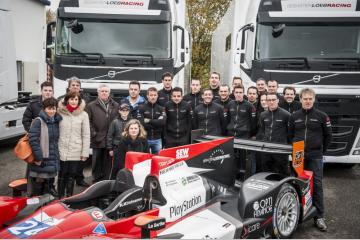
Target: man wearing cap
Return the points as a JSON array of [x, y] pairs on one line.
[[102, 111], [114, 137]]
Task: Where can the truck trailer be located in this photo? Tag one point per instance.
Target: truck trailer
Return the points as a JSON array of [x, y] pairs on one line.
[[299, 43]]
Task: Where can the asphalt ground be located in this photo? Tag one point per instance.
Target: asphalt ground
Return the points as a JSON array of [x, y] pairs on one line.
[[341, 189]]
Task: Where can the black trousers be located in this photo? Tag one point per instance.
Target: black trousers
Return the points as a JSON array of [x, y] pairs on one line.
[[276, 163], [68, 169], [38, 186], [101, 164], [117, 163], [173, 141], [80, 172]]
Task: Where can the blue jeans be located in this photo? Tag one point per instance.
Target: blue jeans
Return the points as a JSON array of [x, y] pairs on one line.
[[315, 164], [155, 145]]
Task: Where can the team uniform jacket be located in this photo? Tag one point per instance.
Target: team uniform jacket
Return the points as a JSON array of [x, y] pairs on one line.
[[164, 97], [312, 126], [193, 99], [210, 117], [157, 116], [178, 119], [274, 125], [242, 117]]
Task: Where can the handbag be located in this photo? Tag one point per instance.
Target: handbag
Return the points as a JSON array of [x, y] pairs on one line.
[[23, 150]]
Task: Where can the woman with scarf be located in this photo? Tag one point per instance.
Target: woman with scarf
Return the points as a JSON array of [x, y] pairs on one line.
[[43, 139], [74, 141]]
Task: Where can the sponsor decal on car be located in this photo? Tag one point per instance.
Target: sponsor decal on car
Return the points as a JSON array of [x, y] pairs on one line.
[[218, 155], [308, 202], [187, 205], [189, 179], [34, 225], [171, 168], [97, 215], [123, 204], [170, 183], [259, 185], [253, 227], [166, 162], [298, 158], [182, 153], [263, 207], [100, 229]]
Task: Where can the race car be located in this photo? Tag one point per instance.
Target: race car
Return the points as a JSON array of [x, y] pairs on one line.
[[184, 192]]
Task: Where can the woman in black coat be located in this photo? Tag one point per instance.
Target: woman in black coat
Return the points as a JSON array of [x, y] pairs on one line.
[[133, 139], [43, 139]]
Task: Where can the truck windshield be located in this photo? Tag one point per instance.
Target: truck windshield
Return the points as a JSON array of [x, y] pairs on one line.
[[109, 38], [310, 41]]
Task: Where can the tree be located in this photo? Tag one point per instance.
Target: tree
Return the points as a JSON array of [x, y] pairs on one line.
[[204, 16]]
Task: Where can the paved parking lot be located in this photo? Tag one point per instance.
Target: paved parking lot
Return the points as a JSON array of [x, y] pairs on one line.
[[342, 196]]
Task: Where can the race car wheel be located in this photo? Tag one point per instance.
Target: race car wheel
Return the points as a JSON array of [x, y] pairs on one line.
[[286, 212]]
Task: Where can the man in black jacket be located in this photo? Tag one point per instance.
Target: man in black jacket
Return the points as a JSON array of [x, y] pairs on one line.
[[179, 116], [209, 116], [289, 103], [314, 128], [34, 107], [153, 117], [242, 117], [214, 83], [165, 93], [194, 98], [274, 128]]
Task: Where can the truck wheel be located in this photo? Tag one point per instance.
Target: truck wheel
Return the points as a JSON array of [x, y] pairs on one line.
[[286, 212]]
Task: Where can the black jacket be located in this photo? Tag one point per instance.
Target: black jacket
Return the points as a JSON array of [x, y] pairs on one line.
[[274, 125], [127, 144], [242, 117], [290, 107], [193, 99], [157, 116], [178, 119], [211, 118], [224, 104], [115, 130], [215, 92], [312, 126], [31, 112], [164, 97]]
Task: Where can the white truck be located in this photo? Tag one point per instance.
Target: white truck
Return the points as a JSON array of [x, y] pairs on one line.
[[10, 110], [302, 43], [117, 41]]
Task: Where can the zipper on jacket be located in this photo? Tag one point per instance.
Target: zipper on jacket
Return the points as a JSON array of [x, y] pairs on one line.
[[306, 118], [177, 119], [272, 124], [206, 118], [152, 117], [236, 117]]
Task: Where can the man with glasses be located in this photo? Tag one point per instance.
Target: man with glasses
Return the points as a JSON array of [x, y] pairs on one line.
[[274, 128]]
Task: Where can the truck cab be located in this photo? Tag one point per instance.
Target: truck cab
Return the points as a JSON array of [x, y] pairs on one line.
[[305, 44], [115, 42]]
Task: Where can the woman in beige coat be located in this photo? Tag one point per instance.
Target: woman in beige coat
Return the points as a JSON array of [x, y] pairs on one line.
[[74, 141]]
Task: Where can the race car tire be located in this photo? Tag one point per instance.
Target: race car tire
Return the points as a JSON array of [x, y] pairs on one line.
[[286, 212]]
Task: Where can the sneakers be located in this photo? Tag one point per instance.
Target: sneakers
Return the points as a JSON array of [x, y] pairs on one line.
[[320, 224]]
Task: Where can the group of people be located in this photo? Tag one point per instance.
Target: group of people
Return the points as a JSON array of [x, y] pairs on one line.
[[65, 130]]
